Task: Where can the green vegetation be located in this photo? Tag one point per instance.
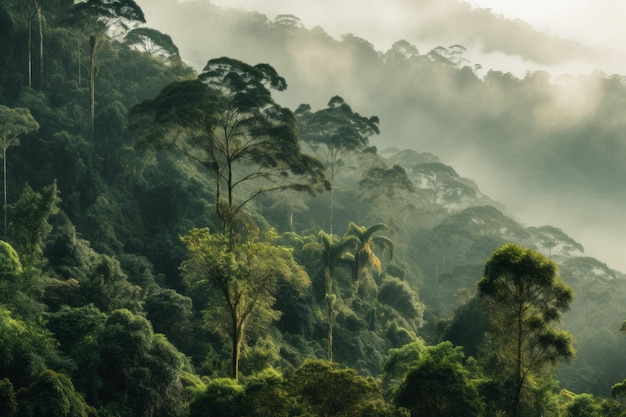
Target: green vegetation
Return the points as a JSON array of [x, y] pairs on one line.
[[164, 250]]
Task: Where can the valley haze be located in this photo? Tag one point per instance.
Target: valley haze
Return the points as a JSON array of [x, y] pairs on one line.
[[555, 170]]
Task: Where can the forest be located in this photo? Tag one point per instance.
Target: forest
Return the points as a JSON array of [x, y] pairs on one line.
[[178, 242]]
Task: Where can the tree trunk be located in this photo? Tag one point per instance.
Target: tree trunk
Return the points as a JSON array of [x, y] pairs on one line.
[[80, 76], [4, 174], [236, 349], [330, 306], [93, 43], [330, 209], [30, 54], [519, 378], [291, 203], [40, 24]]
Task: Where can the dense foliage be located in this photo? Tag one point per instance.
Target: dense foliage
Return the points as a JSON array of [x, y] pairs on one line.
[[166, 250]]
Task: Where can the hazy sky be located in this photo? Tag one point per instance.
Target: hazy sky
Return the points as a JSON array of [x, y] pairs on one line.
[[593, 23], [573, 36]]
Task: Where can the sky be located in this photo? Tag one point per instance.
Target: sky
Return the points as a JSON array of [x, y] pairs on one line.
[[596, 22], [593, 23], [574, 37]]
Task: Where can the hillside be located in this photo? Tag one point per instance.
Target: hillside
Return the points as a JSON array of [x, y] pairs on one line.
[[146, 198]]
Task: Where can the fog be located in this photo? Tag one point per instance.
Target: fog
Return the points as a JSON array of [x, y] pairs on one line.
[[549, 146]]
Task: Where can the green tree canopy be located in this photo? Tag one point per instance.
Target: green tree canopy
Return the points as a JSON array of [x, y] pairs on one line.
[[239, 282], [439, 384], [53, 394], [29, 224], [328, 389], [368, 240], [525, 296], [153, 42], [228, 123], [14, 122], [26, 349]]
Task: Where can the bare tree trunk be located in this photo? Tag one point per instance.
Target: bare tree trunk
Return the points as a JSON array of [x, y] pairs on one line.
[[40, 24], [330, 210], [330, 304], [93, 43], [4, 173], [80, 75], [236, 349], [330, 329], [30, 54]]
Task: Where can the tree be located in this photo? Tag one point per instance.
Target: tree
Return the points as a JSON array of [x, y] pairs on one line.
[[328, 389], [525, 296], [399, 362], [10, 271], [14, 122], [446, 185], [77, 330], [333, 132], [170, 314], [99, 17], [26, 349], [332, 253], [141, 371], [239, 282], [8, 402], [53, 394], [439, 384], [34, 11], [554, 241], [220, 397], [154, 43], [29, 221], [228, 123], [365, 255], [385, 191]]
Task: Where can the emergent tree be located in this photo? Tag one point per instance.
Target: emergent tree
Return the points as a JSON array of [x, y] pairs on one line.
[[228, 123], [365, 256], [333, 253], [525, 296], [332, 133], [99, 17]]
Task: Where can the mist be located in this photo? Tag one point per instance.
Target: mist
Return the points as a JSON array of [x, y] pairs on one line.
[[535, 119]]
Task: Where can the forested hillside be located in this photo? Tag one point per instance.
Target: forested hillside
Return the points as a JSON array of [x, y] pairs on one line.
[[180, 242]]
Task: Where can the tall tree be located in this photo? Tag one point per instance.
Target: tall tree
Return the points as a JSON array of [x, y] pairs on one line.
[[333, 253], [14, 122], [239, 282], [385, 192], [228, 123], [446, 186], [367, 239], [33, 9], [153, 42], [332, 133], [99, 17], [525, 296]]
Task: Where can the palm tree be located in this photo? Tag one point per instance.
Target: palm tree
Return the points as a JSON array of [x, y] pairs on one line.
[[333, 253], [98, 17], [365, 255]]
